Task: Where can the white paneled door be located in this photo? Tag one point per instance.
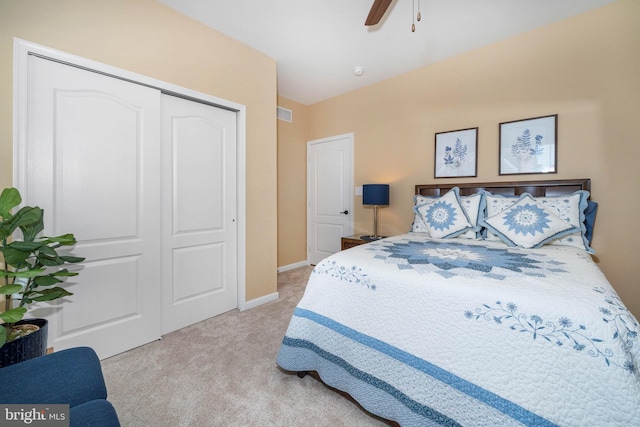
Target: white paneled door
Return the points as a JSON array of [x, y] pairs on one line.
[[147, 183], [92, 162], [199, 264], [330, 203]]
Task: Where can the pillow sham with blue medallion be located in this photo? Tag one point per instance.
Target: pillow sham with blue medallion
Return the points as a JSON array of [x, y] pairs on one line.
[[527, 224], [445, 217], [473, 205], [571, 208]]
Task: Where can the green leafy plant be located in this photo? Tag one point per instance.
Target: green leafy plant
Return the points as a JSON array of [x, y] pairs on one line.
[[31, 266]]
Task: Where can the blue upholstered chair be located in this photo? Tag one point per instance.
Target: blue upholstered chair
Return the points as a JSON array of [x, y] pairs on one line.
[[72, 376]]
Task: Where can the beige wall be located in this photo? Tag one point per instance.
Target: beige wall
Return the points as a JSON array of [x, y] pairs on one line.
[[586, 69], [148, 38], [292, 184]]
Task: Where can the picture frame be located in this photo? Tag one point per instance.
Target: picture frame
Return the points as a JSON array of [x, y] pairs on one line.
[[529, 146], [456, 153]]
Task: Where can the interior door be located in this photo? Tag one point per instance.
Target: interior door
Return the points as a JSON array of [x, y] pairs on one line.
[[199, 232], [92, 162], [330, 203]]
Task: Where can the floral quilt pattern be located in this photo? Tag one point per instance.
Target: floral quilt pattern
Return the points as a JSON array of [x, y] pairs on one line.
[[562, 331]]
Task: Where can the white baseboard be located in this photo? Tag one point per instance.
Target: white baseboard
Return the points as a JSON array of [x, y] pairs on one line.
[[274, 296], [259, 301], [292, 266]]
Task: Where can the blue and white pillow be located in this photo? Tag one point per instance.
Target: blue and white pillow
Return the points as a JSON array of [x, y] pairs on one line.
[[473, 206], [572, 209], [590, 219], [445, 217], [527, 224], [494, 205], [419, 226]]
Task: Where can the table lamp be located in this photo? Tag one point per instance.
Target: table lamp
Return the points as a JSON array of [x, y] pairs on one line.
[[375, 195]]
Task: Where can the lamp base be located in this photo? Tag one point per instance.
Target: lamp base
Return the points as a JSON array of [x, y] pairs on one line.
[[371, 238]]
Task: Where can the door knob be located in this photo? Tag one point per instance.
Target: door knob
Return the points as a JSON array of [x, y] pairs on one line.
[[346, 212]]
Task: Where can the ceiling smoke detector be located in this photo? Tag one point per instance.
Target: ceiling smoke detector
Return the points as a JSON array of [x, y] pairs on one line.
[[358, 71]]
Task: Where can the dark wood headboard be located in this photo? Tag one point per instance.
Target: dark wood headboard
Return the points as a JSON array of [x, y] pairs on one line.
[[557, 187]]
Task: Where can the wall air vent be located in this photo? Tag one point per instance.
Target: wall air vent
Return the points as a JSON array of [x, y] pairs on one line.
[[285, 114]]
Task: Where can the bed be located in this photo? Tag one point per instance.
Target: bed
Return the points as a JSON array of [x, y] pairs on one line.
[[503, 320]]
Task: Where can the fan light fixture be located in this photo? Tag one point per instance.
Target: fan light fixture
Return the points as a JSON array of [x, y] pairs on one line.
[[379, 8]]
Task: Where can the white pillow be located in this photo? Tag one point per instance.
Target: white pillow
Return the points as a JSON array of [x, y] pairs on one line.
[[494, 205], [527, 224], [419, 226], [445, 217], [571, 208], [473, 205]]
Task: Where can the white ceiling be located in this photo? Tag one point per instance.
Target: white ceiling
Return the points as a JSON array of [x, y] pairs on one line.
[[317, 43]]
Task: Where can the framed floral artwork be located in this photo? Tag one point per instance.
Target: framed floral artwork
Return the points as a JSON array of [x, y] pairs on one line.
[[529, 146], [456, 153]]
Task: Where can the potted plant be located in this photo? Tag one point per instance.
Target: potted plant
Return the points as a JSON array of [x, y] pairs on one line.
[[31, 274]]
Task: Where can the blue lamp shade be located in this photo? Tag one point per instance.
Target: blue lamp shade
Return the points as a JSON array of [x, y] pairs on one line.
[[375, 194]]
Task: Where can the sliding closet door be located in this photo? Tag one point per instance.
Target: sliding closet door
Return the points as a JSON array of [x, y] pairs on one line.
[[199, 245], [92, 161]]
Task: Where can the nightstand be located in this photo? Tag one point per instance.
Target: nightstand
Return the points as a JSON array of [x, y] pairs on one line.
[[351, 241]]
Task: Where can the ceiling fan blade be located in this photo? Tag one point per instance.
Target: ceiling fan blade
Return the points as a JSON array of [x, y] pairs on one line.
[[377, 11]]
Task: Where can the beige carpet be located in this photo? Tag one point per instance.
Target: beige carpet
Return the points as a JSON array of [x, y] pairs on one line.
[[222, 372]]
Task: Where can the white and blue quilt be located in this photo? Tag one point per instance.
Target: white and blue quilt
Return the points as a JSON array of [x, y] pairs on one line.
[[452, 332]]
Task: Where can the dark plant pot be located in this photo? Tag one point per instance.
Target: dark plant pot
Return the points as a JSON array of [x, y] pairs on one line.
[[27, 347]]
